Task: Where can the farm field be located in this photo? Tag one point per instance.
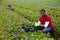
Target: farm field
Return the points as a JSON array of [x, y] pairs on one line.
[[11, 21]]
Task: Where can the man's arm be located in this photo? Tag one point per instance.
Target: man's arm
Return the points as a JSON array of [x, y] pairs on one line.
[[46, 24], [39, 22]]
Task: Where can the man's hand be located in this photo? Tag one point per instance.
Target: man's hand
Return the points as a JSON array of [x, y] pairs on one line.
[[42, 25]]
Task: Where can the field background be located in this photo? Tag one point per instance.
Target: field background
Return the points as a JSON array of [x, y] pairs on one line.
[[27, 11], [40, 2]]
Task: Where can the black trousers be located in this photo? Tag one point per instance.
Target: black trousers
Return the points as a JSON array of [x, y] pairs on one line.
[[39, 28]]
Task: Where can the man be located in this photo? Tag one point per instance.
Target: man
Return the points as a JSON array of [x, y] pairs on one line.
[[44, 22], [10, 7]]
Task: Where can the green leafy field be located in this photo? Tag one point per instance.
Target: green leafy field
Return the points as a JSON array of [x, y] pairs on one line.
[[10, 21], [39, 2]]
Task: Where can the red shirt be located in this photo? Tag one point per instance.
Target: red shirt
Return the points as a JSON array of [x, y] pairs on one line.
[[47, 18]]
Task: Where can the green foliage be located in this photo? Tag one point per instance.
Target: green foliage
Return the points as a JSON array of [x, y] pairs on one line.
[[10, 21]]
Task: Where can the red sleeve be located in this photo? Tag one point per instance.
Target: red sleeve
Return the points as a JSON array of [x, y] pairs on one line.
[[39, 18]]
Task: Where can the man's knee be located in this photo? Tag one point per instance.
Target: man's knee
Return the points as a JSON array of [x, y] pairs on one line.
[[45, 31]]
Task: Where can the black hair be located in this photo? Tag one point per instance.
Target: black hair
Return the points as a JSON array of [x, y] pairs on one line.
[[43, 10]]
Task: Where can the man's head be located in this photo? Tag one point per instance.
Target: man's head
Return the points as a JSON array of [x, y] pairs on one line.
[[43, 12]]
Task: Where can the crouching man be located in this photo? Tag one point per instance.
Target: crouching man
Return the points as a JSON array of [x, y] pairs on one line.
[[9, 6], [44, 22]]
